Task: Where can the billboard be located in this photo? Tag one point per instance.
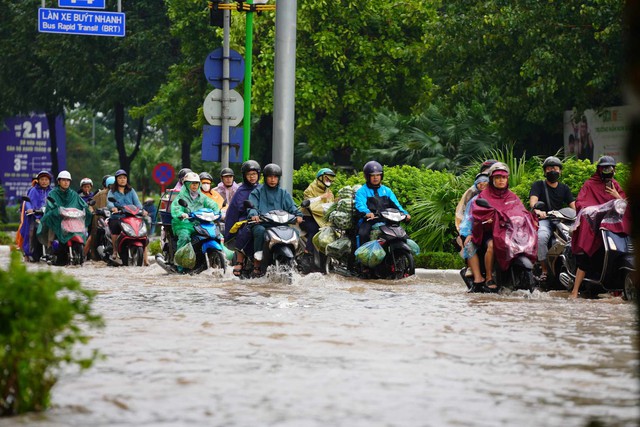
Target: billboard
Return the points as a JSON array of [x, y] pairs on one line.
[[25, 150], [591, 134]]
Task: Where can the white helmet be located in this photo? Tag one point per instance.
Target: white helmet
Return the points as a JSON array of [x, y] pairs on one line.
[[191, 177], [84, 181], [64, 175]]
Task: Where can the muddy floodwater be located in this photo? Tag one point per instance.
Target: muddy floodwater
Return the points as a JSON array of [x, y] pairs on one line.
[[331, 351]]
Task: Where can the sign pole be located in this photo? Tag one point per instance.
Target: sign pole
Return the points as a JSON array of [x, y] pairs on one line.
[[224, 142], [248, 54]]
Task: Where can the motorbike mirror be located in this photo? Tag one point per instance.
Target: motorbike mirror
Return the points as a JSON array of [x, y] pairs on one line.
[[112, 199], [541, 206], [305, 203], [26, 199], [247, 204], [483, 203], [91, 202], [183, 203]]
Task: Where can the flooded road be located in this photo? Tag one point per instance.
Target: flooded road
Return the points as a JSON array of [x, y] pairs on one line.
[[206, 350]]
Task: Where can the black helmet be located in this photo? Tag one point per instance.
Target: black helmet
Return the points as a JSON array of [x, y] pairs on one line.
[[182, 173], [551, 161], [249, 165], [104, 180], [606, 161], [487, 164], [120, 172], [206, 175], [272, 170], [226, 172], [372, 167]]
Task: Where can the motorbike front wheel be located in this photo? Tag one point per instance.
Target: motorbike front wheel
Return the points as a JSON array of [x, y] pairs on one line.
[[630, 291], [77, 253], [217, 260], [402, 265]]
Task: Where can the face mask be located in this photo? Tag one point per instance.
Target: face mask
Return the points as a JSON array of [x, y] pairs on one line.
[[606, 176], [552, 176], [206, 187]]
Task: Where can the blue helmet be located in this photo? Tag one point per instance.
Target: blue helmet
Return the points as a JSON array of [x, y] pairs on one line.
[[120, 172], [325, 171], [110, 180]]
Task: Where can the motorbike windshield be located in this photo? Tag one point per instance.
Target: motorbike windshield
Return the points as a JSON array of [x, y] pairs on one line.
[[520, 236], [612, 215]]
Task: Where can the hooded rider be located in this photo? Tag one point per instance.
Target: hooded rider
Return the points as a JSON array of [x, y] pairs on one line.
[[374, 197], [191, 194], [264, 199], [318, 193], [600, 188], [37, 199], [236, 212], [555, 195]]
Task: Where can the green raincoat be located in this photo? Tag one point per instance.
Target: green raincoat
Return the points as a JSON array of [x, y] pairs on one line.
[[52, 220], [183, 229]]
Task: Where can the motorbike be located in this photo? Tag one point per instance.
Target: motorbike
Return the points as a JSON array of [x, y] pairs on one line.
[[519, 274], [206, 241], [74, 231], [104, 246], [133, 239], [398, 261], [615, 269], [38, 250], [562, 221]]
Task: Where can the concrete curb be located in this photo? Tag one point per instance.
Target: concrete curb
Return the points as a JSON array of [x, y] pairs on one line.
[[439, 275]]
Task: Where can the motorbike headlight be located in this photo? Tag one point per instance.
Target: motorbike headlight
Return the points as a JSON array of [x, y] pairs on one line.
[[127, 229], [612, 244], [143, 230]]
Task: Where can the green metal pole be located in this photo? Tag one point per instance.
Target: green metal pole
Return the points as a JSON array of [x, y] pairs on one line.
[[248, 51]]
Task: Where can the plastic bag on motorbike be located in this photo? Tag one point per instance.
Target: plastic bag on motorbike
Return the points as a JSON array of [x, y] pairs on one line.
[[370, 253], [341, 220], [228, 253], [415, 249], [340, 248], [323, 237], [185, 256]]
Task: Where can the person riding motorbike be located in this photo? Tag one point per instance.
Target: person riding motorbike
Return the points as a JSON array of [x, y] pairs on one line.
[[124, 194], [26, 236], [85, 189], [101, 202], [191, 194], [485, 229], [467, 196], [318, 193], [468, 248], [236, 212], [61, 197], [205, 188], [264, 199], [600, 188], [372, 198], [555, 196], [227, 188], [181, 174]]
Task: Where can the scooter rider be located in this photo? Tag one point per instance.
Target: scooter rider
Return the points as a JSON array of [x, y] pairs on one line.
[[37, 199], [227, 188], [264, 199], [124, 195], [598, 189], [236, 212], [191, 194], [372, 198], [85, 189], [468, 195], [555, 196], [205, 188], [63, 197], [318, 193], [181, 174]]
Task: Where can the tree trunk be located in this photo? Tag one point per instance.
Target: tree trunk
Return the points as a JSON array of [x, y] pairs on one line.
[[119, 135], [186, 153]]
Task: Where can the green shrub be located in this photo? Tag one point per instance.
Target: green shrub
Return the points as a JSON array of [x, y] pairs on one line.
[[42, 318], [155, 247], [10, 226], [5, 239], [439, 261]]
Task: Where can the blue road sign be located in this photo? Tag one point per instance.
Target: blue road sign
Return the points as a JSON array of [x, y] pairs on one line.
[[84, 22], [211, 143], [213, 68], [82, 4]]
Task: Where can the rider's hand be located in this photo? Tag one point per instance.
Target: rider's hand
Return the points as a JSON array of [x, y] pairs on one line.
[[144, 213], [255, 218], [114, 210], [369, 215], [541, 214], [467, 240], [298, 219], [612, 191], [29, 211], [184, 215], [408, 218]]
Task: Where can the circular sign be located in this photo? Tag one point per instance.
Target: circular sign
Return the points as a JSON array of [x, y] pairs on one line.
[[213, 68], [212, 108], [163, 173]]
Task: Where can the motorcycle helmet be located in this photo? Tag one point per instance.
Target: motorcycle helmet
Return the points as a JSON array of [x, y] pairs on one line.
[[207, 176], [104, 180], [64, 175], [497, 169], [606, 167], [110, 180], [45, 173], [191, 177], [551, 161], [487, 164], [325, 171], [606, 161], [226, 172], [182, 173], [248, 166], [272, 170], [372, 168], [120, 172], [84, 181]]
